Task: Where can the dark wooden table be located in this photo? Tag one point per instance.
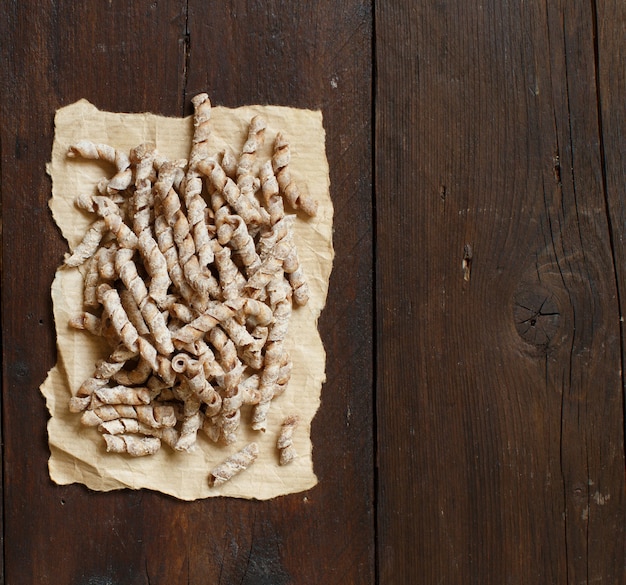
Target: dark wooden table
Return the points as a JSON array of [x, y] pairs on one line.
[[472, 424]]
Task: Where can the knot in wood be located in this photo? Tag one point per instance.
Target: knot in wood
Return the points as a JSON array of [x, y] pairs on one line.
[[536, 315]]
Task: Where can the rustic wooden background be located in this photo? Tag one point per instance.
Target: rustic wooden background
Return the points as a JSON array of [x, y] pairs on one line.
[[472, 424]]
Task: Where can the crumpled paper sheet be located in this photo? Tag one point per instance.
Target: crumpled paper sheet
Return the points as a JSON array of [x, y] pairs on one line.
[[77, 453]]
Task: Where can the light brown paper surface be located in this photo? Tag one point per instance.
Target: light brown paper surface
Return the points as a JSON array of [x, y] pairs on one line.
[[78, 453]]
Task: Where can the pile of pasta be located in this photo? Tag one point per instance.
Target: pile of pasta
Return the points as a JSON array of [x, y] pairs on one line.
[[191, 274]]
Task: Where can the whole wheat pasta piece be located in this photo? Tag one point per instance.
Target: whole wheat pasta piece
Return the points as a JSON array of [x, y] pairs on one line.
[[246, 181], [233, 465], [229, 417], [142, 201], [165, 241], [215, 313], [291, 262], [229, 163], [189, 431], [213, 404], [202, 128], [127, 271], [250, 388], [232, 377], [112, 411], [216, 198], [143, 210], [232, 281], [125, 236], [88, 245], [284, 374], [132, 444], [255, 140], [226, 349], [229, 424], [238, 333], [90, 150], [255, 287], [156, 266], [210, 428], [90, 418], [235, 402], [212, 369], [123, 395], [138, 375], [156, 322], [168, 435], [194, 348], [125, 330], [284, 443], [200, 279], [183, 363], [105, 257], [112, 217], [232, 230], [87, 322], [90, 385], [230, 192], [95, 151], [90, 284], [271, 194], [269, 375], [133, 311], [119, 426], [300, 286], [194, 378], [156, 415], [189, 402], [251, 311], [165, 371], [269, 238], [183, 313], [248, 185], [107, 412], [194, 201], [105, 369], [252, 355], [148, 353], [289, 189], [86, 202], [162, 389], [196, 206], [282, 317], [278, 289], [205, 392], [170, 205], [228, 359], [224, 228], [151, 415], [120, 181], [79, 403]]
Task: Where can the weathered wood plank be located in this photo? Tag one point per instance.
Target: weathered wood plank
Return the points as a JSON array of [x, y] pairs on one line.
[[155, 56], [499, 359], [52, 55]]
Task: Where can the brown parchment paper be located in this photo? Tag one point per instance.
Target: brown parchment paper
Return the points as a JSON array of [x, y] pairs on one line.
[[77, 453]]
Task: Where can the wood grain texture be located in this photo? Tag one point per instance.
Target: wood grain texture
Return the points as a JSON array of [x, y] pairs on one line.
[[154, 56], [499, 392]]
